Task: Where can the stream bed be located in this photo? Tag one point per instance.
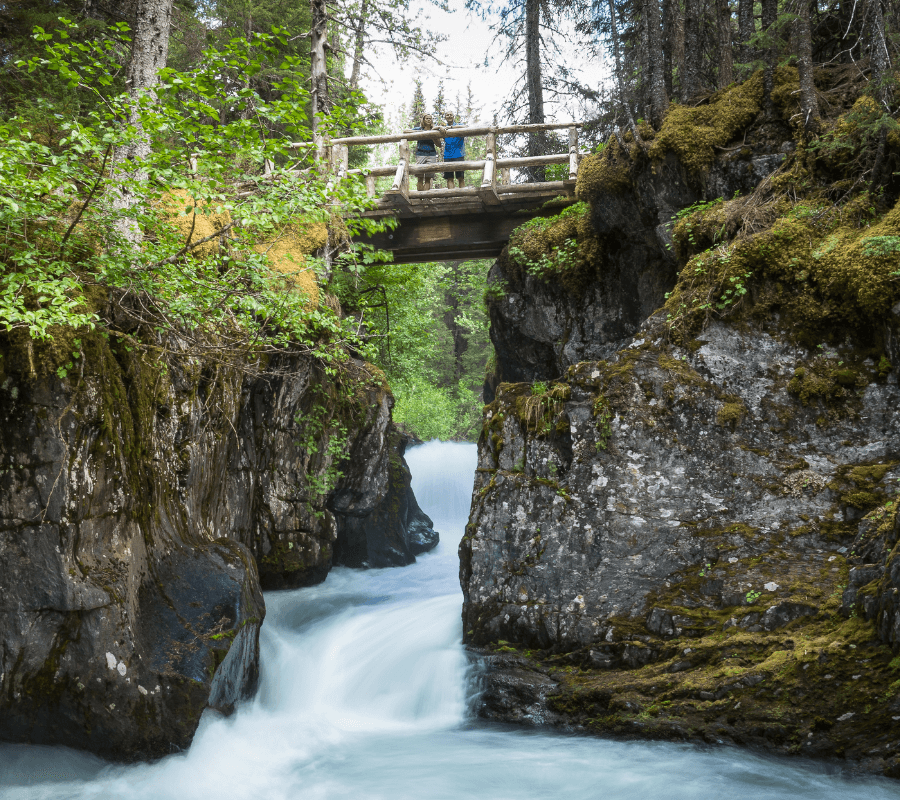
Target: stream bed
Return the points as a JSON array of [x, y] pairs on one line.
[[366, 693]]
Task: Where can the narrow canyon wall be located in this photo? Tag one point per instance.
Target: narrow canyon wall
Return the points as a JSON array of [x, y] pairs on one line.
[[146, 498], [690, 531]]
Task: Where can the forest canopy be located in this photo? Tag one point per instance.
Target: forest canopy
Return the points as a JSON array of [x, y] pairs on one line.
[[161, 162]]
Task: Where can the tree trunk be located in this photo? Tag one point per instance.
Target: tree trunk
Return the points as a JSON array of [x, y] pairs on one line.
[[318, 66], [360, 41], [533, 78], [880, 59], [878, 51], [746, 31], [624, 97], [659, 100], [770, 52], [723, 25], [693, 55], [149, 50], [673, 42], [809, 106], [643, 59]]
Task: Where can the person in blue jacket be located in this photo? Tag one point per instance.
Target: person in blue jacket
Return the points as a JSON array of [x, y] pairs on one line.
[[454, 150]]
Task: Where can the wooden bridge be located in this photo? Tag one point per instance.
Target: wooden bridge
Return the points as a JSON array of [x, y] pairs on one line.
[[460, 223]]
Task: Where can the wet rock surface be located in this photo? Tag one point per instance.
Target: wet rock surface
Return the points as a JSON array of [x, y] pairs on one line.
[[514, 690], [144, 505]]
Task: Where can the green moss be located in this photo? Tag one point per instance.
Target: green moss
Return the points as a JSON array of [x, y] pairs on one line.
[[860, 486], [606, 172], [541, 409], [561, 248], [824, 379], [869, 474], [686, 374], [813, 273], [693, 133], [731, 412]]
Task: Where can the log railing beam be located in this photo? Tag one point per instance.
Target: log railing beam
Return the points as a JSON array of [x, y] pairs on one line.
[[414, 136], [460, 166]]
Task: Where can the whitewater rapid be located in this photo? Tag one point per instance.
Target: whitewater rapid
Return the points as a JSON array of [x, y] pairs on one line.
[[366, 694]]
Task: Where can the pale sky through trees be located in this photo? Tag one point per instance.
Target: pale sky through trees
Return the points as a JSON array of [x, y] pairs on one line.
[[469, 40]]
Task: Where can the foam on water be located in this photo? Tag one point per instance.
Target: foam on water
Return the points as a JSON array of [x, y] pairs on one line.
[[363, 695]]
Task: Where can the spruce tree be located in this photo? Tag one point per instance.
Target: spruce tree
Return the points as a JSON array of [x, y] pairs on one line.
[[440, 102], [417, 105]]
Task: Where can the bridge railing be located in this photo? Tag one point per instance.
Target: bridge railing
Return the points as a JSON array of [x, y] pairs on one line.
[[495, 171], [333, 155]]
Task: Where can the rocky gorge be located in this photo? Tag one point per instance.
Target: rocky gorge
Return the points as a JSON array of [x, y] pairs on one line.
[[149, 494], [684, 522]]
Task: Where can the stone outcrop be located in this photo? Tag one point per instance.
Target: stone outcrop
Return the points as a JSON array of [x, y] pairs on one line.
[[669, 482], [396, 530], [145, 501], [689, 533], [539, 328], [873, 583]]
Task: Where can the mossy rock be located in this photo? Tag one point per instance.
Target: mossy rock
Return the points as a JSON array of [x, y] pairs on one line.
[[561, 248], [693, 133], [608, 171], [824, 278]]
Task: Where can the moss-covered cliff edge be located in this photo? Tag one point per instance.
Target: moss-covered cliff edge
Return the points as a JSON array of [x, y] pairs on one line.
[[147, 494], [684, 520]]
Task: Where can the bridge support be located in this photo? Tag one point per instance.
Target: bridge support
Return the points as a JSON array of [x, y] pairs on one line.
[[452, 237]]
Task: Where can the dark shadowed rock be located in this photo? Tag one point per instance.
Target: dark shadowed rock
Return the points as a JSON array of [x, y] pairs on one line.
[[513, 691], [143, 505], [782, 614], [396, 530], [660, 622]]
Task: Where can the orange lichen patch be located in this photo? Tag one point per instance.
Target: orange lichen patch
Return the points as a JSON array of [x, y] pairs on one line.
[[288, 255], [205, 219]]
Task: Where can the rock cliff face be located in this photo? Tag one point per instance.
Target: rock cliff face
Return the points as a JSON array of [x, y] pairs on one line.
[[145, 501], [539, 328], [690, 532]]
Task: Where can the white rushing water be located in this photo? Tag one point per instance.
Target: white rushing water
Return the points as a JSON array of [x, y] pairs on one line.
[[364, 695]]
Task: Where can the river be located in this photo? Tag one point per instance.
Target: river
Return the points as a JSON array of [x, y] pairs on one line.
[[365, 694]]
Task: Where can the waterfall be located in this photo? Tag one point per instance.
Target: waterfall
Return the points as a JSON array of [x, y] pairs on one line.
[[363, 696]]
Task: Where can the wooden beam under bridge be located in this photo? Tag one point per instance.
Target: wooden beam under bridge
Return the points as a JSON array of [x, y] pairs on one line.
[[481, 234]]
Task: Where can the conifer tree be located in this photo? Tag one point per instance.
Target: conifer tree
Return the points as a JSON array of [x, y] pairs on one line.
[[440, 102], [417, 105]]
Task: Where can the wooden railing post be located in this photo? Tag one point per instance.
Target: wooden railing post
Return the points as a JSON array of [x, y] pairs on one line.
[[573, 153], [401, 176], [370, 185], [489, 176]]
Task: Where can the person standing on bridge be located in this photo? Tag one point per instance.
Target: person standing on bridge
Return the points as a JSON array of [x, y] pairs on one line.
[[426, 153], [454, 150]]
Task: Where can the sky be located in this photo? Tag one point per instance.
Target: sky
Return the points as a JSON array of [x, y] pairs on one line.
[[458, 61]]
